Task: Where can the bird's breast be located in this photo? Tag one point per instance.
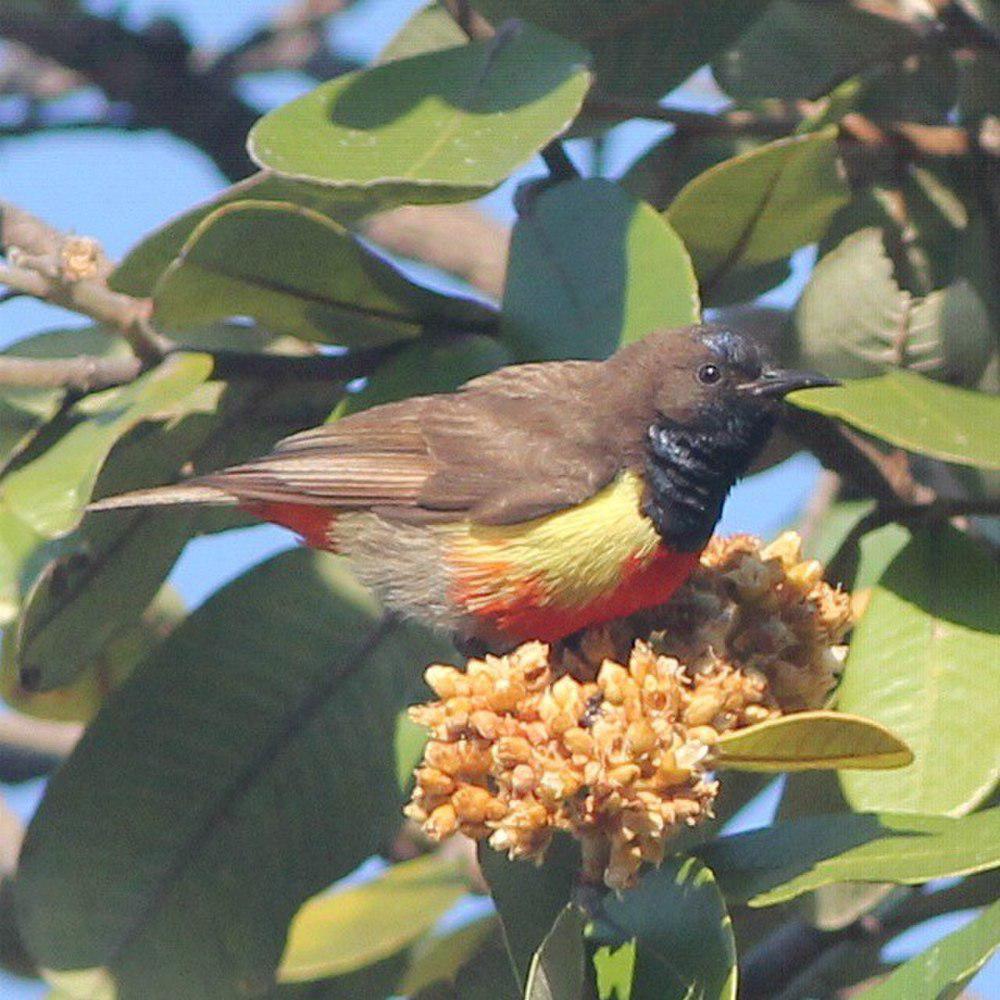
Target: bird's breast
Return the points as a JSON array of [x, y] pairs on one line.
[[548, 577]]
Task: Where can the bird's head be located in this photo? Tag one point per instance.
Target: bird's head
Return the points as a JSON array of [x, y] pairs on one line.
[[709, 400]]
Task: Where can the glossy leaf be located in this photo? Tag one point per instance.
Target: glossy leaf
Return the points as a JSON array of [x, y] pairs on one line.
[[854, 320], [807, 741], [640, 50], [438, 364], [143, 265], [300, 273], [252, 750], [591, 268], [684, 938], [778, 863], [799, 48], [912, 412], [530, 899], [925, 661], [441, 126], [338, 932], [943, 970], [763, 204], [556, 971], [49, 493]]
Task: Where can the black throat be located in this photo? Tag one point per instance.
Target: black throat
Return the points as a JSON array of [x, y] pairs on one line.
[[690, 470]]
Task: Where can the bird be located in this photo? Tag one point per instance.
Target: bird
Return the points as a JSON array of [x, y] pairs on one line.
[[532, 502]]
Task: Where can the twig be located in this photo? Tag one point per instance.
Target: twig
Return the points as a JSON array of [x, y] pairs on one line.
[[734, 122], [72, 271], [82, 374]]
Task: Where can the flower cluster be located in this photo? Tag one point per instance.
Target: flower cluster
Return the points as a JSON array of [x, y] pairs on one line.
[[610, 738]]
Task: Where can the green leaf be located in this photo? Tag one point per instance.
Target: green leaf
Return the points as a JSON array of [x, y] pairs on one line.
[[590, 269], [300, 273], [49, 493], [439, 957], [943, 970], [925, 661], [854, 320], [778, 863], [338, 932], [757, 208], [98, 582], [430, 29], [242, 768], [556, 971], [528, 898], [641, 50], [684, 938], [142, 266], [807, 741], [443, 126], [799, 48], [835, 528], [912, 412], [615, 968], [440, 364], [24, 410]]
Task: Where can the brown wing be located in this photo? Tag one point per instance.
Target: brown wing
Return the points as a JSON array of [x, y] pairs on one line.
[[509, 446]]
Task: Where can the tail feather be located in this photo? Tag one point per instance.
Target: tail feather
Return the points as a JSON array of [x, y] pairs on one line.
[[167, 496]]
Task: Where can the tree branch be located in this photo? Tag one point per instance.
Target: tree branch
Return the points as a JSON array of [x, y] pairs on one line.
[[153, 71], [72, 271]]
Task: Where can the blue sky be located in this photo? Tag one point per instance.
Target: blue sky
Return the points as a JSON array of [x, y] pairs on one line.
[[117, 187]]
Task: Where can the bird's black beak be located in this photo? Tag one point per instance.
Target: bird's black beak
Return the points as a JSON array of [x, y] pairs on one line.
[[774, 383]]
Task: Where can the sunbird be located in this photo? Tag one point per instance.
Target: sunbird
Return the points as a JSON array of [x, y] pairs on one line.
[[533, 501]]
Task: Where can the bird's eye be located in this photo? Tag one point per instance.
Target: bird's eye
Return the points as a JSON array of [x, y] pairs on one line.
[[709, 374]]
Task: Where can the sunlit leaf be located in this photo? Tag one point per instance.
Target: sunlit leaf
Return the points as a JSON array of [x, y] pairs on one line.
[[925, 661], [431, 28], [339, 932], [439, 957], [49, 493], [912, 412], [300, 273], [762, 205], [592, 268], [780, 862], [806, 741], [943, 970], [442, 126]]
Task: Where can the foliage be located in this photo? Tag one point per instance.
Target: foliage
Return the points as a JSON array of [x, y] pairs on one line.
[[241, 758]]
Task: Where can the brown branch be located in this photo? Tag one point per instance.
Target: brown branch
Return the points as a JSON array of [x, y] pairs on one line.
[[82, 374], [72, 272], [734, 122], [154, 71]]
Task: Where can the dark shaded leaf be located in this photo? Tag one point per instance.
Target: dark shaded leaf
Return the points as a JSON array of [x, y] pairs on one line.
[[641, 49], [800, 48], [780, 862], [590, 269], [684, 940], [557, 971], [253, 750]]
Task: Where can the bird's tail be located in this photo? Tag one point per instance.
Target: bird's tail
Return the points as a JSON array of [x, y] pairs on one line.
[[168, 496]]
